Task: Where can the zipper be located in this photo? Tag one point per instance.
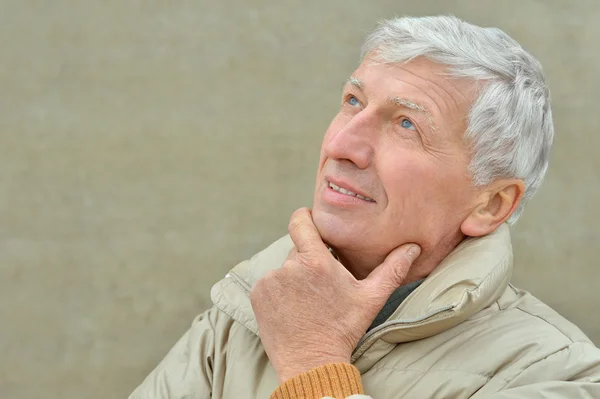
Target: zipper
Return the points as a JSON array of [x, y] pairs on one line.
[[394, 324]]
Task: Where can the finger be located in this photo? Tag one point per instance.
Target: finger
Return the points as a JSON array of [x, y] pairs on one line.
[[392, 272], [304, 233]]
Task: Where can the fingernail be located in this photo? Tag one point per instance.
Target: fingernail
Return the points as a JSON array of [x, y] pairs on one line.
[[413, 252]]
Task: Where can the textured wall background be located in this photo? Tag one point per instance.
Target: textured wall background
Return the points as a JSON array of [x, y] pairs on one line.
[[148, 146]]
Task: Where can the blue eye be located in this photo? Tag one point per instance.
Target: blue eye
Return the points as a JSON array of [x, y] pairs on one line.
[[353, 101], [405, 123]]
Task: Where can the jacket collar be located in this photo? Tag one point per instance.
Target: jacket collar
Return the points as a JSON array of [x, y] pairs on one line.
[[472, 277]]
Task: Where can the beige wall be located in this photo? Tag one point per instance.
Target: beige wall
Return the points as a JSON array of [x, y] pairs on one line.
[[147, 146]]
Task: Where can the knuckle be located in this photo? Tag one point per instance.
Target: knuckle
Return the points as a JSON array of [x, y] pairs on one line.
[[398, 273], [401, 268], [311, 261]]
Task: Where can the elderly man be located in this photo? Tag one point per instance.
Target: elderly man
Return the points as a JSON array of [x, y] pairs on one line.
[[396, 283]]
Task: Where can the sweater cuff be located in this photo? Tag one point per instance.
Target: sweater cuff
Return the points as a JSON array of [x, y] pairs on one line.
[[338, 380]]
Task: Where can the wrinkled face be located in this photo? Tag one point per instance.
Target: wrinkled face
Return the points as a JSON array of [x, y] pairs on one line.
[[393, 166]]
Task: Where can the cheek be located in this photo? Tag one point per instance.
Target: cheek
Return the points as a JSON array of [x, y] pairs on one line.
[[409, 190], [402, 180], [417, 186]]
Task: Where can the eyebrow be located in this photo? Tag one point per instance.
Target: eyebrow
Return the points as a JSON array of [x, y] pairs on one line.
[[356, 82], [399, 101]]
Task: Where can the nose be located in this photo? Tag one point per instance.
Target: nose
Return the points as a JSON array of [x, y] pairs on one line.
[[354, 142]]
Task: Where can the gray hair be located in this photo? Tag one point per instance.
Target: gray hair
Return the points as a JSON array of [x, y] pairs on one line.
[[510, 130]]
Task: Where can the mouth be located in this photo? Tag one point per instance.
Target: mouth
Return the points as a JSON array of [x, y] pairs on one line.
[[342, 190]]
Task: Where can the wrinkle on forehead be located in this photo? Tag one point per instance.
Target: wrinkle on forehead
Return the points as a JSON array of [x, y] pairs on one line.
[[447, 99], [448, 94], [458, 90]]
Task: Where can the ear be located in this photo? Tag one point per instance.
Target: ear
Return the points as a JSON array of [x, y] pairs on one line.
[[496, 203]]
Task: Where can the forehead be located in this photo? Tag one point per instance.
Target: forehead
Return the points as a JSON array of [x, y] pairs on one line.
[[421, 81]]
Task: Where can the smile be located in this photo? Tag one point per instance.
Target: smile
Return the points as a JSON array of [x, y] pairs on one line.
[[348, 192]]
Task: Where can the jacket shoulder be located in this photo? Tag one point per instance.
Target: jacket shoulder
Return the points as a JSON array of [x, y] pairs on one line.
[[270, 258], [517, 340], [541, 317], [231, 295]]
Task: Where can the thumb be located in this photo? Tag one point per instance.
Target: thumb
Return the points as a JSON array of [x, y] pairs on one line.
[[392, 272], [304, 233]]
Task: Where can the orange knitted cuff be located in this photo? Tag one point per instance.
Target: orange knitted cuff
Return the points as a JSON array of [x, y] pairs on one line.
[[338, 380]]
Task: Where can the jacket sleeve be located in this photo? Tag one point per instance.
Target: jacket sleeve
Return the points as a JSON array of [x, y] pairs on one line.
[[186, 371], [573, 372]]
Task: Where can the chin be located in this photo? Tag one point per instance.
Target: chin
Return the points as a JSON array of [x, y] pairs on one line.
[[337, 232]]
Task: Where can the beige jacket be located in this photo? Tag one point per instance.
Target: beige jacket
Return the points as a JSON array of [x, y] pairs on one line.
[[465, 332]]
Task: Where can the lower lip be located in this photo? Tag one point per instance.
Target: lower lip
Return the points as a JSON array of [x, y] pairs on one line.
[[336, 198]]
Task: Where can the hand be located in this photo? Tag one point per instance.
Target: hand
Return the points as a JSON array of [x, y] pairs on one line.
[[312, 311]]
